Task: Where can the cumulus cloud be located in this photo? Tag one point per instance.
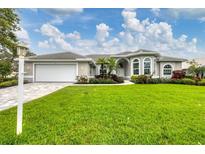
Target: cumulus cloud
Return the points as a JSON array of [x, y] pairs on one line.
[[155, 11], [153, 35], [55, 35], [75, 35], [44, 44], [136, 34], [23, 36], [102, 32]]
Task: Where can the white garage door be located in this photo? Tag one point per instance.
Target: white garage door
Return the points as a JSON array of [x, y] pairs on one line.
[[55, 72]]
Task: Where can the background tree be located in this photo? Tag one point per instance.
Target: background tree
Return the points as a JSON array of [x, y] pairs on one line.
[[196, 70], [112, 65], [9, 24], [5, 69]]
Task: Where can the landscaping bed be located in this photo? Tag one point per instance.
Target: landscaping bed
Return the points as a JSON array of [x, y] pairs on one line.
[[133, 114], [142, 79], [100, 79]]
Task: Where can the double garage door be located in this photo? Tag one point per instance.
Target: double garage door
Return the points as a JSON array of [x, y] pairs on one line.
[[55, 72]]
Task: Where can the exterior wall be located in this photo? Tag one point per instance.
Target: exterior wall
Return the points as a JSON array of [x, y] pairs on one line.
[[28, 69], [83, 68], [175, 66]]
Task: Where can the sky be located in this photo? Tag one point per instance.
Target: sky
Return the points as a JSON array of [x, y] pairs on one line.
[[172, 32]]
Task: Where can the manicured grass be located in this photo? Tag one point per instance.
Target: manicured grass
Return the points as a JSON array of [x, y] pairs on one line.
[[134, 114]]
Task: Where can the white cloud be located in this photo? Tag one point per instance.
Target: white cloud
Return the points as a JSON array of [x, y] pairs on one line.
[[75, 35], [60, 14], [136, 34], [23, 36], [153, 36], [130, 21], [50, 30], [202, 19], [102, 32], [44, 44], [155, 11], [55, 35], [188, 13]]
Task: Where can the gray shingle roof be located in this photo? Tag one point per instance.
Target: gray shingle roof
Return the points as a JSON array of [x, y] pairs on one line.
[[96, 56], [60, 55], [166, 58]]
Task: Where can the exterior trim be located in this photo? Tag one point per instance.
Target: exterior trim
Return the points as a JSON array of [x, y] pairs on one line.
[[163, 70], [132, 66], [151, 67]]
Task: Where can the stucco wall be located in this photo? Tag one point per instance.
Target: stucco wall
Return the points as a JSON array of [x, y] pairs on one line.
[[175, 66], [83, 68]]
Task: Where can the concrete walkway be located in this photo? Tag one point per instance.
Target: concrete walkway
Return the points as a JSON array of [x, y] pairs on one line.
[[8, 96]]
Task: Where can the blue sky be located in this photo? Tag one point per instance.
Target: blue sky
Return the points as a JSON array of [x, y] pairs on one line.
[[173, 32]]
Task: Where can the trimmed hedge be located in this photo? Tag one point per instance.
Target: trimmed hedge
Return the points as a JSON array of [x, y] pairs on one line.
[[142, 79], [101, 81], [201, 83], [8, 83]]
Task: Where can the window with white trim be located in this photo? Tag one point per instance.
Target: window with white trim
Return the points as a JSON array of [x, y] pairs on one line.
[[147, 66], [136, 67], [167, 70]]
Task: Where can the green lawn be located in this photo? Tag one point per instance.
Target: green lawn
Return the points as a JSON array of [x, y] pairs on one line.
[[134, 114]]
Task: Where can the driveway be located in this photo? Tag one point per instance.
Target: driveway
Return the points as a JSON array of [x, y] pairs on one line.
[[8, 96]]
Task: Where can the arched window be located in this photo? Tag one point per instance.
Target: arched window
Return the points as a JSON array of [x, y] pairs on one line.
[[136, 67], [167, 70], [147, 66]]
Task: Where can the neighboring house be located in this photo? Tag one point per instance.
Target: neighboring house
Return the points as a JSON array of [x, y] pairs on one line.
[[64, 67]]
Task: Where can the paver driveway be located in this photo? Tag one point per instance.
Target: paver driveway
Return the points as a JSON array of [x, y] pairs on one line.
[[8, 96]]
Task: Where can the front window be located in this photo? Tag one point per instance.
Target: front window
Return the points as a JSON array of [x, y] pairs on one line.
[[136, 67], [167, 70], [147, 66]]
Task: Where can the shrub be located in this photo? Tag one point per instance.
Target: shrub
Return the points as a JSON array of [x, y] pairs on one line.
[[101, 81], [134, 78], [82, 79], [178, 74], [201, 83], [142, 79], [188, 81], [8, 83], [117, 78], [153, 80]]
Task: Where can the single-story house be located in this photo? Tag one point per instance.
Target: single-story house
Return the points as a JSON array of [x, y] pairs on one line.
[[66, 66]]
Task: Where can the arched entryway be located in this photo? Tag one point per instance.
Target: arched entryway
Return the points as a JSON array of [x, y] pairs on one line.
[[122, 67]]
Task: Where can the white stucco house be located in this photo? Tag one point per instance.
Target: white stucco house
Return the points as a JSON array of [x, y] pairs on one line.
[[65, 66]]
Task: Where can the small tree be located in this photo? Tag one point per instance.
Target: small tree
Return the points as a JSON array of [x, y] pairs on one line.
[[112, 65], [196, 70], [5, 68], [193, 68], [102, 62]]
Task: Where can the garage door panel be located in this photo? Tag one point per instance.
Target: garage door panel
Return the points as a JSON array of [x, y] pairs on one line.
[[55, 72]]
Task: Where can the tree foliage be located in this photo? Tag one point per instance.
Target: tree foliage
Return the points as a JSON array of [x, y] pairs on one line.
[[5, 68], [102, 62], [112, 65], [195, 69], [9, 24]]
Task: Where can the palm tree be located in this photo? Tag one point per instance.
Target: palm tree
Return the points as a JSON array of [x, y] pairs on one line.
[[102, 62], [112, 65]]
